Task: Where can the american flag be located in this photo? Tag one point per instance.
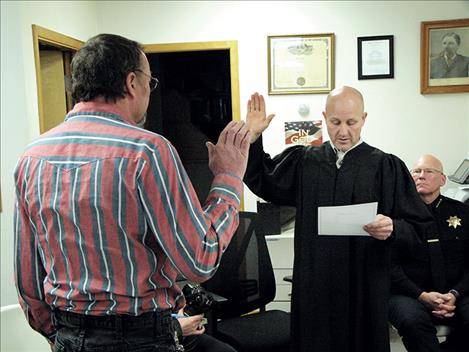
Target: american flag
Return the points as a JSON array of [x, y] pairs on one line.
[[303, 132]]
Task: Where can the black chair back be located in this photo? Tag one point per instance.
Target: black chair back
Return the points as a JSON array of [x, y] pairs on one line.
[[245, 276], [246, 279]]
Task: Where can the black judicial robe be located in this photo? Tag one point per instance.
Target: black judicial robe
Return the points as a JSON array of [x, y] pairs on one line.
[[340, 284]]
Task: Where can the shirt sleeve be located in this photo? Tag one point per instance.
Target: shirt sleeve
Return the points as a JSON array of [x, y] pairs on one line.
[[192, 236], [29, 272], [462, 285]]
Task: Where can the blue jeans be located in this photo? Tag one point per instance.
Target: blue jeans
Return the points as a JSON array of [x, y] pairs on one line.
[[205, 343], [114, 333]]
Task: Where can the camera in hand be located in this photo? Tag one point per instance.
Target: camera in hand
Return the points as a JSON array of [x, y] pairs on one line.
[[198, 300]]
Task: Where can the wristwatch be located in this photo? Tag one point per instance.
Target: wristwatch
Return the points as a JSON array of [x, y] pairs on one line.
[[454, 292]]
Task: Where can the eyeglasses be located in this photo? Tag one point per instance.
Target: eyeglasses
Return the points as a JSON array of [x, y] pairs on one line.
[[153, 80], [427, 171]]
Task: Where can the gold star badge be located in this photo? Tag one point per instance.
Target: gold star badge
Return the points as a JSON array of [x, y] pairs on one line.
[[454, 221]]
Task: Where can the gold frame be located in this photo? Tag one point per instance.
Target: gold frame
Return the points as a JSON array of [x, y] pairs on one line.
[[58, 40], [281, 74], [425, 45]]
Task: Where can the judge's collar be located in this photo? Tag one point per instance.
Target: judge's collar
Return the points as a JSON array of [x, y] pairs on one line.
[[341, 154], [338, 152]]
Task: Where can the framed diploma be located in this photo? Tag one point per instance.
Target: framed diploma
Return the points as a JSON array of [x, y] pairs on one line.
[[375, 57], [301, 64]]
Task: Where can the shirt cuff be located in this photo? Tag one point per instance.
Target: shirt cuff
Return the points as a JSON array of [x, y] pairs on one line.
[[228, 187]]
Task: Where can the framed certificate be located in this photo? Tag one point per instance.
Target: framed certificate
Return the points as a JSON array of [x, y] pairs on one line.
[[375, 57], [301, 64]]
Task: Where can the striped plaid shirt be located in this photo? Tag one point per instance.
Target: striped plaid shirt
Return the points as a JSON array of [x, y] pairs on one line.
[[106, 218]]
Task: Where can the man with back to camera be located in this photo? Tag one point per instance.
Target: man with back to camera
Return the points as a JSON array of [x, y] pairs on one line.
[[430, 279], [106, 217], [340, 283], [450, 64]]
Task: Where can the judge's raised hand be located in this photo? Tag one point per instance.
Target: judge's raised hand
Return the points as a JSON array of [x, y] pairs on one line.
[[256, 118], [380, 228], [230, 154]]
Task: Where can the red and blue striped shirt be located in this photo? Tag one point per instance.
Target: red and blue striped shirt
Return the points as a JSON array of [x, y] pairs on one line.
[[106, 218]]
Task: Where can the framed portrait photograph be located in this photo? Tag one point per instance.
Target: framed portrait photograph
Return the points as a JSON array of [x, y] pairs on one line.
[[375, 57], [301, 64], [444, 56]]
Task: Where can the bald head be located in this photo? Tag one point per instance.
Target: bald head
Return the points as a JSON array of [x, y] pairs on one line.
[[428, 177], [345, 117], [429, 161], [346, 97]]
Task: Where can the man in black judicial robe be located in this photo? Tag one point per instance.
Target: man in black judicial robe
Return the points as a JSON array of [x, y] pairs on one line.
[[340, 284], [430, 279]]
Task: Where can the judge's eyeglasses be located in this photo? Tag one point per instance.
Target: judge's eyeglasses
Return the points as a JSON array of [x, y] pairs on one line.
[[428, 171], [153, 80]]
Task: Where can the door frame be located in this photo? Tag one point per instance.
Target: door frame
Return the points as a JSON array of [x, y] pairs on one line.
[[230, 45], [43, 35], [62, 42]]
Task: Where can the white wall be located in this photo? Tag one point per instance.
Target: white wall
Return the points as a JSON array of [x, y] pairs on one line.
[[400, 120], [19, 111]]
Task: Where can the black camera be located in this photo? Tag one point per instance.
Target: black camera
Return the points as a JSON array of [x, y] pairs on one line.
[[198, 301]]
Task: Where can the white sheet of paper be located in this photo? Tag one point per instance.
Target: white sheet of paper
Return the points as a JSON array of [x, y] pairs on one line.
[[346, 220]]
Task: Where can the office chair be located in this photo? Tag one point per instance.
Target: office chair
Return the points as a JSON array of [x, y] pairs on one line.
[[443, 331], [246, 279]]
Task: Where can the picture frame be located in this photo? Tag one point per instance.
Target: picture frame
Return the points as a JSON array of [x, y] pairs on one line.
[[439, 41], [301, 64], [375, 57]]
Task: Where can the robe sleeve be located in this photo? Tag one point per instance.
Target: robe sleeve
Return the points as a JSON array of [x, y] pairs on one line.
[[463, 285], [403, 202], [411, 219], [401, 283], [274, 179]]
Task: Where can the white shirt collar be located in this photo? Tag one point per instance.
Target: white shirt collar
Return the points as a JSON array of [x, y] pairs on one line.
[[340, 154], [447, 58]]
